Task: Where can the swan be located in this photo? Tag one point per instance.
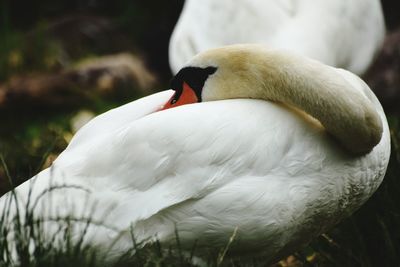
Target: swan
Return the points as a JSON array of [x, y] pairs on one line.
[[339, 33], [271, 146]]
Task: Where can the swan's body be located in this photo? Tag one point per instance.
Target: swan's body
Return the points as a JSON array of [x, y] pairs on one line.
[[268, 170], [339, 33]]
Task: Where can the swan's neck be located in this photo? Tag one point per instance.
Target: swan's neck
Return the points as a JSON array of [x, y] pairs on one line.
[[321, 91]]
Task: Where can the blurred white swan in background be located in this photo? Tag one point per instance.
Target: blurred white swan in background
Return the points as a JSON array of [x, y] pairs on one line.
[[339, 33]]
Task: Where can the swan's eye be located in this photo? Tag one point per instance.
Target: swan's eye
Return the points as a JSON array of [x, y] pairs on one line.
[[173, 101]]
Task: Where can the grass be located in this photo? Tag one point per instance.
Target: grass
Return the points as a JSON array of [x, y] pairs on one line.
[[23, 243]]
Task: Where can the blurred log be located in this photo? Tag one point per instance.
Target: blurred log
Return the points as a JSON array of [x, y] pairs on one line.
[[108, 72], [384, 75], [104, 76]]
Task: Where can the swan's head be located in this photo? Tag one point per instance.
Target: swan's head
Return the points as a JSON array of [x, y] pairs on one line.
[[222, 73], [188, 85]]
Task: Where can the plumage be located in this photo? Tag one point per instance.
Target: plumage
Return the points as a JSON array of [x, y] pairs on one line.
[[264, 169], [339, 33]]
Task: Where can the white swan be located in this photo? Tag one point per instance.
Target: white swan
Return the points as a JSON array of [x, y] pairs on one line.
[[339, 33], [264, 168]]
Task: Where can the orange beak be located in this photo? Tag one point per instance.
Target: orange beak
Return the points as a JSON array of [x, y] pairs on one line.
[[188, 96]]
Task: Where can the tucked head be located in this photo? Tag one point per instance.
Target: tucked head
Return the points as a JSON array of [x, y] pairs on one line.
[[221, 73], [188, 85]]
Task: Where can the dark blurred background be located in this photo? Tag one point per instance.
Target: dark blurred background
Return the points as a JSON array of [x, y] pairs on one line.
[[119, 25], [59, 59], [143, 24], [62, 62]]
